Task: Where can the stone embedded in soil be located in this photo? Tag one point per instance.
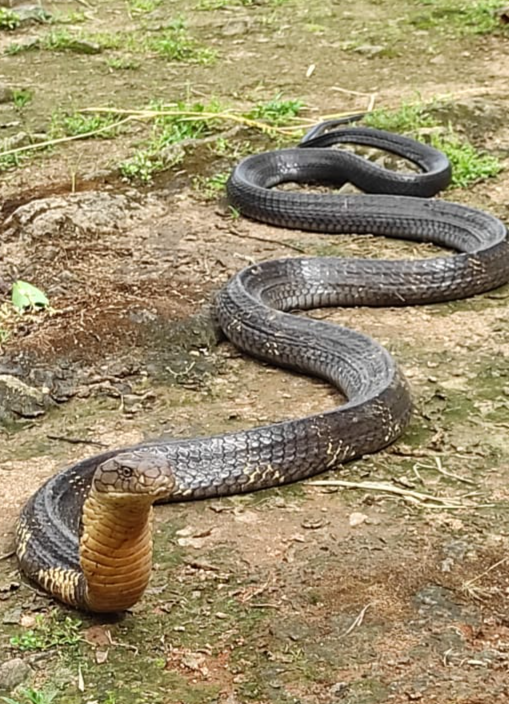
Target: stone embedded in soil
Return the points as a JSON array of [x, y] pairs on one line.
[[81, 46], [90, 213], [369, 49], [32, 14], [13, 672], [234, 28], [19, 399], [13, 616], [5, 94]]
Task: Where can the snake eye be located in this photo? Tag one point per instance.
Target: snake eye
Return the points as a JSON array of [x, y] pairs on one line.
[[126, 472]]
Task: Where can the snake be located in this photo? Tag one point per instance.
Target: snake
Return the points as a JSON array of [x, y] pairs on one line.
[[85, 536]]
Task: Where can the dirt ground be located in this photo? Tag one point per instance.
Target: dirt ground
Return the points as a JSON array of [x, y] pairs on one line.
[[299, 595]]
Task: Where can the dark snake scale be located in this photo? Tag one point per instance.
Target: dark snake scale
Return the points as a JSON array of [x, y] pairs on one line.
[[85, 536]]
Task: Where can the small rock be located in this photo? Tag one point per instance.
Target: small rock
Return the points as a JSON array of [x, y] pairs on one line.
[[28, 44], [81, 46], [315, 524], [13, 616], [19, 399], [339, 689], [13, 672], [32, 14], [357, 519], [234, 28], [369, 49], [82, 214]]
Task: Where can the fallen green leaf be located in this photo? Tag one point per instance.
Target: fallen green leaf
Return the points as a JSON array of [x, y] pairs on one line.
[[24, 295]]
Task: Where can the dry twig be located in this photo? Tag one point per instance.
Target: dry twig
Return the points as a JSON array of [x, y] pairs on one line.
[[357, 621], [414, 497]]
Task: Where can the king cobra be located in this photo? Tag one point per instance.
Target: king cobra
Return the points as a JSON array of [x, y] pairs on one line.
[[85, 536]]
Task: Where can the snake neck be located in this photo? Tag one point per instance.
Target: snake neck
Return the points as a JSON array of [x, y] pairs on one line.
[[115, 550]]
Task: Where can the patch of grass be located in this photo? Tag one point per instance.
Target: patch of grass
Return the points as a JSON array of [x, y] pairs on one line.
[[172, 44], [177, 45], [459, 16], [169, 130], [210, 187], [31, 696], [141, 7], [59, 40], [76, 123], [49, 631], [469, 164], [231, 150], [16, 48], [8, 162], [123, 63], [84, 43], [187, 124], [142, 166], [21, 97], [9, 20], [410, 117], [276, 111], [76, 17]]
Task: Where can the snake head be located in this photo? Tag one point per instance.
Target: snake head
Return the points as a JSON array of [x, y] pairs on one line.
[[135, 474]]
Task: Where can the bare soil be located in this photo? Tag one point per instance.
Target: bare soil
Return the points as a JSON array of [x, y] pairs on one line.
[[303, 594]]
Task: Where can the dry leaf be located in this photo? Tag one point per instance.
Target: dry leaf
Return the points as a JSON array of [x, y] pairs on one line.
[[81, 681], [101, 656], [98, 635], [27, 621]]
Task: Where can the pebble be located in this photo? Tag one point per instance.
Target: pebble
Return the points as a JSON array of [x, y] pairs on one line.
[[369, 49], [13, 672], [357, 519], [13, 616]]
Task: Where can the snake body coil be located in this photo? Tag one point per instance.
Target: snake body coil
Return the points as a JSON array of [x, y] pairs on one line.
[[85, 535]]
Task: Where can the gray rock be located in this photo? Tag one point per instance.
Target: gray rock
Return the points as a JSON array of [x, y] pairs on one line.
[[339, 689], [369, 49], [19, 399], [28, 44], [476, 116], [234, 28], [13, 616], [13, 672], [32, 14], [81, 46], [88, 213]]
